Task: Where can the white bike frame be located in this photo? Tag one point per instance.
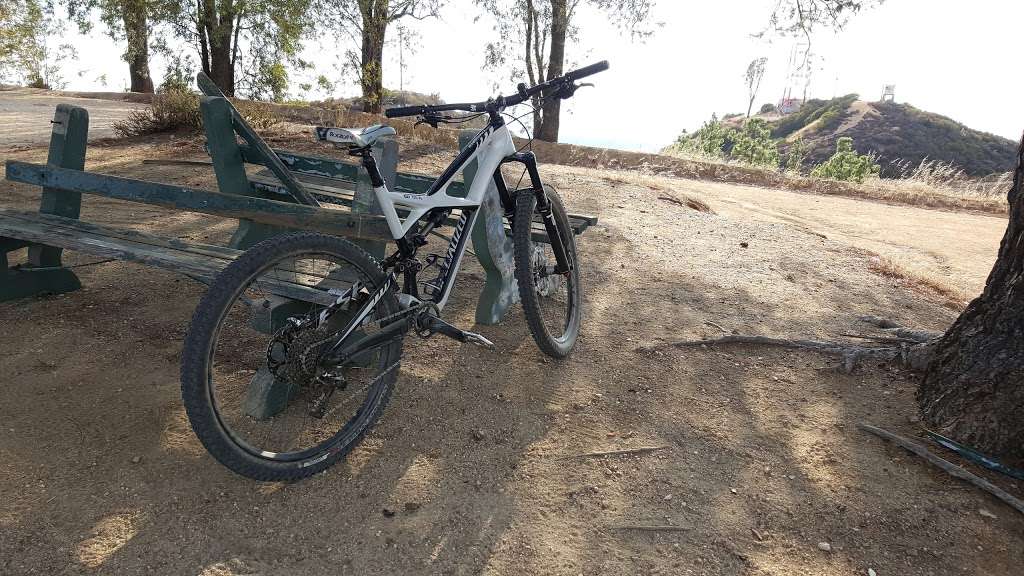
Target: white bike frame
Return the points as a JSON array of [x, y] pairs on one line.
[[489, 148]]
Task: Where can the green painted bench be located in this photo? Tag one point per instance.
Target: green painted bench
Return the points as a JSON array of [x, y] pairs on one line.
[[292, 192]]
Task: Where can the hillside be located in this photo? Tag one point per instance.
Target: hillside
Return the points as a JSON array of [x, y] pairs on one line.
[[899, 134]]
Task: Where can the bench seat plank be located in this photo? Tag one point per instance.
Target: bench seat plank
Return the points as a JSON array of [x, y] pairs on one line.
[[202, 261]]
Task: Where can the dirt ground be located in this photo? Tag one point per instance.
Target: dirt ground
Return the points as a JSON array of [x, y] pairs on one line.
[[25, 115], [476, 466]]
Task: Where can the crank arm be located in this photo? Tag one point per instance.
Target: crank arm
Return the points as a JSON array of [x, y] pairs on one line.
[[435, 324]]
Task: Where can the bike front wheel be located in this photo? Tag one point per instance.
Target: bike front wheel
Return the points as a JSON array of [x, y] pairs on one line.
[[254, 383], [552, 302]]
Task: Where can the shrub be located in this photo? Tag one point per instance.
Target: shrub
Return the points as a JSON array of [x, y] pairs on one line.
[[846, 165], [259, 115], [767, 108], [754, 144], [172, 110], [795, 155], [179, 110], [713, 139]]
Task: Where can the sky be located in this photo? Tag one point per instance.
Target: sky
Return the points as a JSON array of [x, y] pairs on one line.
[[947, 56]]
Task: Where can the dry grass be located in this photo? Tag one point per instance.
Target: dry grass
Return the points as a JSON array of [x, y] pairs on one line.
[[952, 297], [178, 110]]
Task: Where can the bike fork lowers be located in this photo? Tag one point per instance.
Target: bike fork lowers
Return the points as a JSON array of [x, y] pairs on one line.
[[544, 208]]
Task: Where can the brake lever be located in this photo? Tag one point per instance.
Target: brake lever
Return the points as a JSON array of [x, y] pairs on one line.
[[430, 120], [567, 90]]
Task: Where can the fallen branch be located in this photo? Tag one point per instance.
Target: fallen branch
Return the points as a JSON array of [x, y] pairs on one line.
[[946, 465], [881, 339], [899, 330], [690, 202], [710, 323], [913, 356], [641, 450]]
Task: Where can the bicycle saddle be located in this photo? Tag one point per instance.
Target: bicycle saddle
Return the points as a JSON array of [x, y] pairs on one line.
[[354, 137]]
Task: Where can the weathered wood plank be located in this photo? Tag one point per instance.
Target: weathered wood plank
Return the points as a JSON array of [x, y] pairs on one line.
[[285, 214], [202, 261]]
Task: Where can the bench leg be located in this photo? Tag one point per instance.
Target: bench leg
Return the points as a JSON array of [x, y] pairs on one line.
[[493, 249], [385, 152], [24, 281], [44, 272]]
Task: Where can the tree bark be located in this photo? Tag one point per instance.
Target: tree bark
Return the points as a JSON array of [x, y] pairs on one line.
[[216, 29], [372, 60], [137, 54], [552, 106], [973, 389]]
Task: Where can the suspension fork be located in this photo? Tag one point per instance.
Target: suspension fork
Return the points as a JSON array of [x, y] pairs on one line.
[[543, 206]]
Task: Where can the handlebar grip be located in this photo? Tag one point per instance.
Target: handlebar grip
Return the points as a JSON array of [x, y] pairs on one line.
[[587, 71], [405, 111]]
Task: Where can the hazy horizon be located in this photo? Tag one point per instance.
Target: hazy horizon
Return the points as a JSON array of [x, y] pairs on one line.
[[689, 69]]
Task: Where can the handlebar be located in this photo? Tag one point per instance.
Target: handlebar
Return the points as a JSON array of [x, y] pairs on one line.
[[563, 85]]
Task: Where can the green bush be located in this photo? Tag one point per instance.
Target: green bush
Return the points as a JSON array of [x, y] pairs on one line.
[[766, 108], [846, 165], [795, 155], [713, 139], [754, 144]]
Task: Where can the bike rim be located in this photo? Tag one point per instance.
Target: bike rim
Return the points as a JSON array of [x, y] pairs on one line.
[[280, 412]]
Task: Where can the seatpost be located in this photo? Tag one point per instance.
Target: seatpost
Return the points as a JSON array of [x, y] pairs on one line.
[[370, 164]]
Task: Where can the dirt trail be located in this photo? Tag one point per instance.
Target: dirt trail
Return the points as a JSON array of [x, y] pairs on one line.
[[477, 459], [955, 246], [25, 115]]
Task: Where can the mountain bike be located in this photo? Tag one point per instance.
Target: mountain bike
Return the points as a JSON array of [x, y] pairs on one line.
[[293, 352]]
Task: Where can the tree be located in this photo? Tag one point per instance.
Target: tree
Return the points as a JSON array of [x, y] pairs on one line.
[[26, 54], [20, 21], [366, 23], [972, 386], [536, 32], [755, 72], [243, 43], [128, 20]]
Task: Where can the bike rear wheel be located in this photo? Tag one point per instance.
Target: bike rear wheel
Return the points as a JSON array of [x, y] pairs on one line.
[[254, 384], [552, 303]]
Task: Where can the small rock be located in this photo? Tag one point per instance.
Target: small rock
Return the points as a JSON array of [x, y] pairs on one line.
[[733, 490], [986, 513], [479, 435], [871, 572], [744, 245], [824, 546], [411, 507], [136, 459], [668, 496], [388, 513]]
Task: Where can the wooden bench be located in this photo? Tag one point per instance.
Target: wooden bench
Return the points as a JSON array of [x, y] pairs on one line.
[[266, 203]]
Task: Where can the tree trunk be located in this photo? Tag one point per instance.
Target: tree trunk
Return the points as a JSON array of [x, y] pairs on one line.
[[552, 106], [371, 62], [973, 389], [217, 27], [137, 54]]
